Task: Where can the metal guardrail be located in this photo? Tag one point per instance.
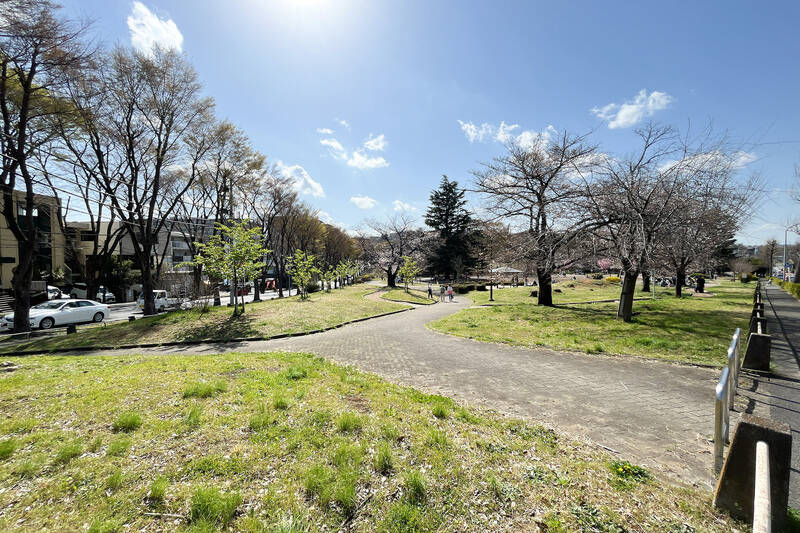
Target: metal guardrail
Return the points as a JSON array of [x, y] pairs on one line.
[[725, 394], [762, 501]]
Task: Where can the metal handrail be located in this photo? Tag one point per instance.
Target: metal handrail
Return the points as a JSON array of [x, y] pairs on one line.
[[725, 394], [721, 417], [762, 501]]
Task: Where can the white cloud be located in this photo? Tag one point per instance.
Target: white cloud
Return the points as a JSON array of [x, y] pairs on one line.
[[376, 143], [529, 139], [363, 202], [362, 161], [359, 158], [303, 183], [504, 132], [148, 30], [476, 133], [633, 111], [336, 148], [343, 122], [399, 205], [742, 159]]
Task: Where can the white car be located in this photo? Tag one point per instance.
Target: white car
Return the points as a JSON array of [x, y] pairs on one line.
[[162, 301], [53, 293], [79, 290], [61, 312]]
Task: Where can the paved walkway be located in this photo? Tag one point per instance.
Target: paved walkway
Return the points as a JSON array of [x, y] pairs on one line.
[[653, 413], [778, 396]]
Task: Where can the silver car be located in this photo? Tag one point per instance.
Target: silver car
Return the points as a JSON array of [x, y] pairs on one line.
[[60, 312]]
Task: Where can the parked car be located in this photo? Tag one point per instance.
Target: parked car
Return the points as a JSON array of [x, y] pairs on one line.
[[163, 301], [103, 294], [61, 312], [53, 293]]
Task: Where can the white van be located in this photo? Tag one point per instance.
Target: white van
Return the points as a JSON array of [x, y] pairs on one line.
[[103, 295], [163, 301]]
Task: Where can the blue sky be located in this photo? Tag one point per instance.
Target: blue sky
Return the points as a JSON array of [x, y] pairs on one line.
[[369, 102]]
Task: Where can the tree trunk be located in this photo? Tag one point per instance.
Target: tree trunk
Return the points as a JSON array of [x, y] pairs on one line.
[[391, 278], [545, 278], [279, 280], [197, 281], [235, 290], [625, 310], [217, 299], [256, 292], [147, 288], [21, 283], [646, 281], [680, 281]]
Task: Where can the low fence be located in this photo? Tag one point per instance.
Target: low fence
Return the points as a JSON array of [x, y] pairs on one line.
[[725, 394], [762, 501]]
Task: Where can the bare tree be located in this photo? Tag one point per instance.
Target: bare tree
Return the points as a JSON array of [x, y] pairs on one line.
[[151, 103], [222, 172], [715, 206], [768, 254], [632, 198], [536, 188], [37, 51], [271, 200], [395, 237]]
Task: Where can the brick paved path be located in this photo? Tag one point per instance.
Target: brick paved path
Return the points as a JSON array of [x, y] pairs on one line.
[[778, 396], [656, 414]]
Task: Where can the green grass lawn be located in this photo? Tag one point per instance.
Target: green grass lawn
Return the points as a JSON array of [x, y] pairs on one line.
[[289, 442], [287, 315], [579, 290], [412, 296], [690, 329]]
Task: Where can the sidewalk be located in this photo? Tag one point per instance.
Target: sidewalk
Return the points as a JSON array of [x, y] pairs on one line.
[[778, 396]]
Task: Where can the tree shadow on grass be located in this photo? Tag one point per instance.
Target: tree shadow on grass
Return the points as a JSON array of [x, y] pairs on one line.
[[232, 328]]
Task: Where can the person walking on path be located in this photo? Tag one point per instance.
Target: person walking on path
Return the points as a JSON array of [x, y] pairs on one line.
[[450, 293], [430, 292], [441, 293]]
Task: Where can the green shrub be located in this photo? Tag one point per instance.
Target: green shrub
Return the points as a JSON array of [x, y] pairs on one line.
[[436, 439], [613, 279], [7, 448], [27, 469], [349, 422], [345, 493], [158, 490], [317, 483], [296, 372], [193, 416], [279, 402], [127, 422], [68, 452], [114, 481], [384, 463], [440, 411], [414, 487], [597, 275], [204, 389], [211, 505], [260, 419], [627, 475], [404, 518], [118, 447]]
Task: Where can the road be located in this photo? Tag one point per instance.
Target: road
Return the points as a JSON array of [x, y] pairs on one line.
[[122, 311]]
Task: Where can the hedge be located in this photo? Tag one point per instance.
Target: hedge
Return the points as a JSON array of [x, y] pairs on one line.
[[788, 286]]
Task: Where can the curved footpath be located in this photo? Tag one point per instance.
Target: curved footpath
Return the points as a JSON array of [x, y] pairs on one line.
[[653, 413]]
